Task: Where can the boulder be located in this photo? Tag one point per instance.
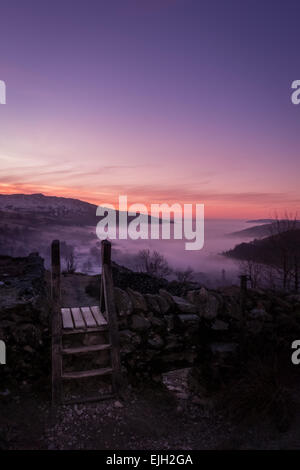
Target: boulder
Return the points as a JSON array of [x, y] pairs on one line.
[[123, 302], [163, 303], [155, 341], [140, 323], [152, 303], [183, 305], [138, 300], [220, 325]]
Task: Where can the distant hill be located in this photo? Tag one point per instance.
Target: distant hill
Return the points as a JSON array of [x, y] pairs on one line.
[[269, 249], [40, 209], [260, 221], [259, 231]]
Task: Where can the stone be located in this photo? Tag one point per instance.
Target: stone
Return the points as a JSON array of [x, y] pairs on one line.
[[188, 318], [192, 296], [209, 310], [220, 325], [183, 305], [155, 341], [203, 294], [258, 314], [140, 323], [168, 297], [223, 348], [163, 304], [170, 322], [152, 303], [138, 300], [123, 302], [157, 322], [172, 342], [118, 404]]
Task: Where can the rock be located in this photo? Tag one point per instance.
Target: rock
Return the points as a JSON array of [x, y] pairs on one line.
[[192, 296], [223, 348], [188, 318], [170, 322], [172, 342], [206, 302], [140, 323], [138, 300], [182, 395], [164, 305], [209, 310], [152, 303], [259, 313], [78, 411], [118, 404], [168, 298], [203, 294], [123, 302], [220, 325], [184, 306], [155, 341], [157, 322]]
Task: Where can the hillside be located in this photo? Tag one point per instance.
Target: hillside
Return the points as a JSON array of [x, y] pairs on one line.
[[269, 249], [49, 209]]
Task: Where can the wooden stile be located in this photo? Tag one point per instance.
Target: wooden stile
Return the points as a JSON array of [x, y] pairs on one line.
[[84, 320]]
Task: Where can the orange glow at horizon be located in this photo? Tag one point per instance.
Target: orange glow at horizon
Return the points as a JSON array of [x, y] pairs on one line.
[[215, 207]]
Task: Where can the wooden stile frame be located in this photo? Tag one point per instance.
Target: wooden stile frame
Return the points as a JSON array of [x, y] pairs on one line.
[[56, 324], [108, 309]]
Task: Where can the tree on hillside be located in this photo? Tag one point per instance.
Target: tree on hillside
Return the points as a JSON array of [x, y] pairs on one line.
[[153, 263], [286, 256], [253, 270], [68, 254]]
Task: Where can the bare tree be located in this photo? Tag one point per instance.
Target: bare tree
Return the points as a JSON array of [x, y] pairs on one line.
[[253, 270], [153, 263], [286, 260], [68, 253]]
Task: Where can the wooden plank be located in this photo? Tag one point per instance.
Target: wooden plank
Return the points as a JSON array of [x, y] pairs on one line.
[[87, 373], [77, 331], [88, 317], [98, 316], [86, 349], [77, 318], [67, 318]]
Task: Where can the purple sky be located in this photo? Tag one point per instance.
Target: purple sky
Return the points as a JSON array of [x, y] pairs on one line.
[[165, 101]]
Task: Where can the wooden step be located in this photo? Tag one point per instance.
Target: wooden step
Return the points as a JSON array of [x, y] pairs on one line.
[[87, 373], [86, 349], [82, 318], [76, 331]]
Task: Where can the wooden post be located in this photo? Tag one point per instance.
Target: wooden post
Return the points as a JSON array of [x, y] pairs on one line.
[[105, 259], [56, 323], [111, 313], [106, 252]]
